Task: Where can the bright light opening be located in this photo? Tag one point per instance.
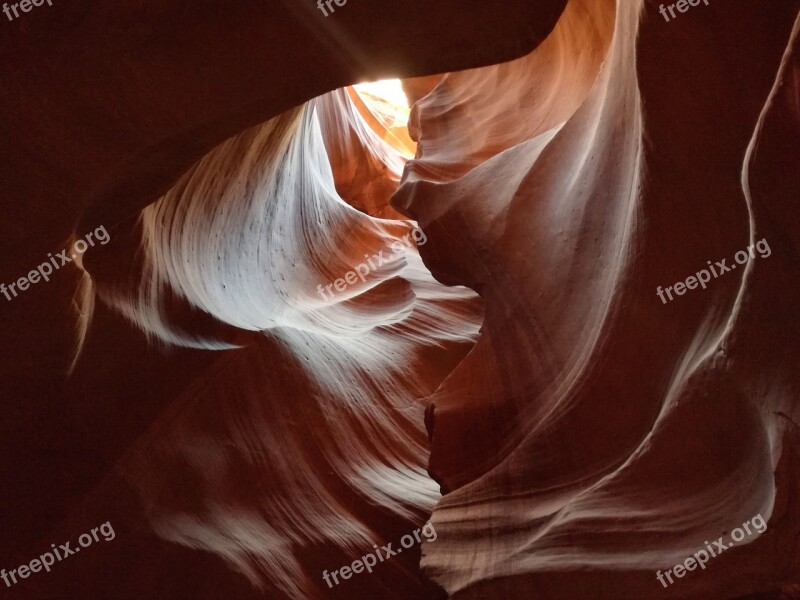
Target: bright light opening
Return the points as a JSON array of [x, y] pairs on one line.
[[387, 103], [387, 98]]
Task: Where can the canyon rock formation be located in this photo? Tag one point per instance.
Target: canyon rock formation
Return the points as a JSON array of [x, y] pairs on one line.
[[500, 365]]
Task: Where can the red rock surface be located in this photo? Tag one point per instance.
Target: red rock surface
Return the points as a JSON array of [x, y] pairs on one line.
[[513, 377], [624, 432]]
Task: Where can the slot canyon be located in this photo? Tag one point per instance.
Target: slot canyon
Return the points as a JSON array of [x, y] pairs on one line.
[[400, 300]]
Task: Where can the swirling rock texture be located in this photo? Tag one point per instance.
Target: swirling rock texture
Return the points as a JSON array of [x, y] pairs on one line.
[[513, 377], [625, 432]]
